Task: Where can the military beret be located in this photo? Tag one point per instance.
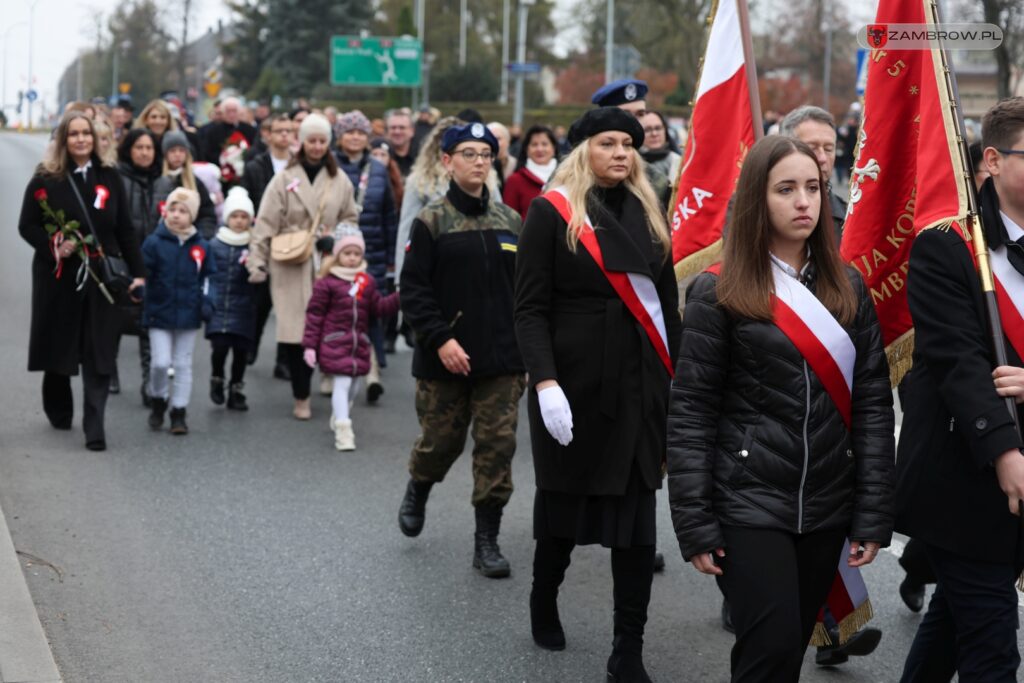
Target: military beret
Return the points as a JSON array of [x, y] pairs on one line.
[[471, 132], [620, 92], [604, 119]]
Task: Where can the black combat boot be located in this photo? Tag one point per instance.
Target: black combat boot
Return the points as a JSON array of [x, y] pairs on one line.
[[158, 406], [487, 555], [217, 390], [632, 571], [178, 426], [550, 560], [236, 399], [414, 505]]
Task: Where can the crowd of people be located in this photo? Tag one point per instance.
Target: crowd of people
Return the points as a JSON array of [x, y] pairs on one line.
[[539, 262]]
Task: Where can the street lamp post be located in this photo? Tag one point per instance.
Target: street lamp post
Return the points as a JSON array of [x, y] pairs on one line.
[[462, 33], [31, 15], [506, 10], [7, 40], [609, 42], [524, 10]]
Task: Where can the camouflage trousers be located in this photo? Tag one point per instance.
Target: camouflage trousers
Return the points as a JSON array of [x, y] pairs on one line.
[[446, 408]]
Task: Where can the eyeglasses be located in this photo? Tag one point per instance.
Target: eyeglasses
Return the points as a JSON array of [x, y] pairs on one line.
[[1010, 152], [471, 155], [654, 129]]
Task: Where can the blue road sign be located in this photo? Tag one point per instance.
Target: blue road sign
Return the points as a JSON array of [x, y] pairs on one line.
[[31, 96], [862, 71], [524, 67]]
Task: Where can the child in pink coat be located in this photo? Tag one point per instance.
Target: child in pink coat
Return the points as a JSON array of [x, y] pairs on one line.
[[337, 321]]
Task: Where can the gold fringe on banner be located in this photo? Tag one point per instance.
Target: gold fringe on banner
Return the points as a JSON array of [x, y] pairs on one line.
[[901, 356], [698, 261], [853, 622]]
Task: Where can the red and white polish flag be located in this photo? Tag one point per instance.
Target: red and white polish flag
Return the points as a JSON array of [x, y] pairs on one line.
[[721, 134]]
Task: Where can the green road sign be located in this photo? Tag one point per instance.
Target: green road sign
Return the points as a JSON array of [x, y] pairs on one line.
[[376, 61]]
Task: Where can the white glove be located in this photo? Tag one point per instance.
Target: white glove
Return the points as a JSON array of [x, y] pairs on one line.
[[554, 408]]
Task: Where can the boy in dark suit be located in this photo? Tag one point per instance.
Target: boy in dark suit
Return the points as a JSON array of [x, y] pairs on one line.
[[959, 464]]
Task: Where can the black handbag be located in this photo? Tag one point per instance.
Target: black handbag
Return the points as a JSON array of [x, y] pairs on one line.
[[113, 270]]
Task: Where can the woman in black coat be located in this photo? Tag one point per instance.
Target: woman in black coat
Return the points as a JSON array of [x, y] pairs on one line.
[[600, 368], [139, 170], [780, 430], [74, 327]]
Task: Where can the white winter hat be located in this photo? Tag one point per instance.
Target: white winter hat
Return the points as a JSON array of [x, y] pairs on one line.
[[238, 200], [314, 123]]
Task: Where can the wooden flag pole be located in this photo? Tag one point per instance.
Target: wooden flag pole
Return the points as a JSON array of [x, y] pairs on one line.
[[751, 69]]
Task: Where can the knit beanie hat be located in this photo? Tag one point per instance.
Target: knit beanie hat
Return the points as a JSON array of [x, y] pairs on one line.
[[190, 198], [238, 200], [380, 143], [314, 123], [352, 120], [348, 235], [172, 139]]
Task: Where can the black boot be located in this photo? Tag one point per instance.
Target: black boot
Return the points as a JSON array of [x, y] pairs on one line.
[[550, 560], [217, 390], [860, 644], [236, 399], [413, 509], [178, 426], [282, 371], [632, 571], [487, 555], [158, 406]]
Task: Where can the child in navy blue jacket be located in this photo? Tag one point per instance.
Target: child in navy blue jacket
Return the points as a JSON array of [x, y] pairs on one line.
[[177, 264], [233, 325]]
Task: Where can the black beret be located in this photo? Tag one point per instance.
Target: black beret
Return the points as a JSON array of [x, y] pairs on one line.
[[604, 119]]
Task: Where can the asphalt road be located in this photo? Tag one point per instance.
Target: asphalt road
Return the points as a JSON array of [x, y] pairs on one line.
[[250, 550]]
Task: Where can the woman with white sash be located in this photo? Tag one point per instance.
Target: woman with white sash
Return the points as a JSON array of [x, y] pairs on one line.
[[597, 323], [780, 428]]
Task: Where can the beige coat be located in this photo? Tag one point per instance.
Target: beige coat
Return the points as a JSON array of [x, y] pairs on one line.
[[282, 211]]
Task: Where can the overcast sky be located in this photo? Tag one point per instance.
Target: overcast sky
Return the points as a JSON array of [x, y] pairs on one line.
[[63, 27]]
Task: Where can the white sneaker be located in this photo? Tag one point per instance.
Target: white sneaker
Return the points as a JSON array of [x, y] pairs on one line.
[[344, 437]]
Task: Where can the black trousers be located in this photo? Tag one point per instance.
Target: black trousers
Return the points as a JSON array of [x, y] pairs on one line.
[[632, 575], [222, 344], [915, 562], [971, 624], [59, 406], [776, 583], [302, 374]]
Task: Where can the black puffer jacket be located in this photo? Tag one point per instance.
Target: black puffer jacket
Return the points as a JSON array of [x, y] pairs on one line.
[[138, 188], [755, 441]]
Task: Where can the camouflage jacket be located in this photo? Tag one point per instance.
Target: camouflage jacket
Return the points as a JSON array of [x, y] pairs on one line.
[[458, 282]]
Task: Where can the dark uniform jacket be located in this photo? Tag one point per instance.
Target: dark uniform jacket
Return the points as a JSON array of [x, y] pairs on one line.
[[954, 424], [755, 440], [574, 328], [59, 313], [457, 282]]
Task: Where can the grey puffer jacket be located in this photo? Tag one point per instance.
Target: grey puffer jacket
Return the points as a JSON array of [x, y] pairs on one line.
[[755, 441]]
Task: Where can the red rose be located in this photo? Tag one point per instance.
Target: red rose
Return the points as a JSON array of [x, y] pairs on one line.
[[40, 194]]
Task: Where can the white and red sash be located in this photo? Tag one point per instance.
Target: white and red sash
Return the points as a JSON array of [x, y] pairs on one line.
[[1010, 297], [818, 336], [637, 291]]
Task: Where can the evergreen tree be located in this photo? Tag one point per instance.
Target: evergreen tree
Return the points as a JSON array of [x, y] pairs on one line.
[[244, 53], [298, 39]]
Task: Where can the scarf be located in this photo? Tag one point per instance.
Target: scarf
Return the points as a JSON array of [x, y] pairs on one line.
[[542, 171], [347, 274], [174, 172], [184, 235], [232, 238]]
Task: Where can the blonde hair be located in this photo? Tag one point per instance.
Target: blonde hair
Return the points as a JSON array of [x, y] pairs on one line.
[[428, 176], [57, 161], [140, 121], [188, 178], [101, 130], [577, 177]]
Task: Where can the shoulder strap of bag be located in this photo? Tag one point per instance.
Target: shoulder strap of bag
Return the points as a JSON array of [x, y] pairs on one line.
[[315, 227], [85, 209]]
